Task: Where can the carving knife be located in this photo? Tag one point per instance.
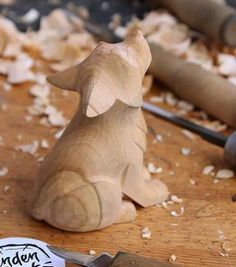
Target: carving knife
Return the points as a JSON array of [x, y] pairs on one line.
[[121, 259]]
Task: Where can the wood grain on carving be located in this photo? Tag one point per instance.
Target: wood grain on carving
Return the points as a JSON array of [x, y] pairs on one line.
[[99, 158]]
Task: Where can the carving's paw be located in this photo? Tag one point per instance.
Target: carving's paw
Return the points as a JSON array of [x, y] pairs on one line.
[[72, 203], [161, 189], [127, 212]]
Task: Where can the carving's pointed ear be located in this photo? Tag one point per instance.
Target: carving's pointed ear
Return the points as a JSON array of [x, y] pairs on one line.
[[100, 100], [67, 79]]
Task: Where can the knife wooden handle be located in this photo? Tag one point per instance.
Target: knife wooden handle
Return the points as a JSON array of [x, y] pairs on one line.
[[204, 89], [123, 259]]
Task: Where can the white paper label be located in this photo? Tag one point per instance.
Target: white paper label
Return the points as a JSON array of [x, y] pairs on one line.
[[25, 252]]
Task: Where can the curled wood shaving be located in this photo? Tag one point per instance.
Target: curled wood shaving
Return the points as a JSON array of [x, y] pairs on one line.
[[29, 148], [177, 214], [44, 143], [175, 199], [193, 182], [208, 169], [153, 169], [59, 133], [224, 174], [6, 188], [156, 99], [184, 105], [226, 246], [227, 64], [172, 258], [92, 252], [188, 134], [146, 233], [29, 17], [3, 171], [159, 137], [185, 151]]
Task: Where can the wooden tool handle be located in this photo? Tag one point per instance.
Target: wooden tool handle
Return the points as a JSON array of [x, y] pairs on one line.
[[131, 260], [218, 21], [204, 89]]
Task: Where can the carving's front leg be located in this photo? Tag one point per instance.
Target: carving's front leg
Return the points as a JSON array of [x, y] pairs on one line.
[[144, 192]]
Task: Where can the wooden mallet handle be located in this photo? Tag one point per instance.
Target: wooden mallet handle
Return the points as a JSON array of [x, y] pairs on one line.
[[218, 21], [204, 89]]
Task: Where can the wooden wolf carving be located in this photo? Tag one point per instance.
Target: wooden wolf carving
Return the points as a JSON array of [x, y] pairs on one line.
[[96, 168]]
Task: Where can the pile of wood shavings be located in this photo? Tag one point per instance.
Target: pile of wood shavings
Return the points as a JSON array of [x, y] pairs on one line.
[[61, 42]]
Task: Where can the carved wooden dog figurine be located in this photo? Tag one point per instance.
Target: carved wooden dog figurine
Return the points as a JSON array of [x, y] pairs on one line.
[[98, 161]]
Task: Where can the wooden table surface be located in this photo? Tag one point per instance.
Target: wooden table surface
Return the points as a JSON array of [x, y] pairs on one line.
[[193, 237]]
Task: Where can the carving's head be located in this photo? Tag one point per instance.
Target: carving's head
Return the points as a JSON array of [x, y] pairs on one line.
[[111, 72]]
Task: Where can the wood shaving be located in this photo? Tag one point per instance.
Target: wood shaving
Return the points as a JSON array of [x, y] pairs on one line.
[[177, 214], [115, 21], [92, 252], [156, 99], [172, 258], [29, 148], [185, 151], [224, 254], [216, 126], [188, 135], [105, 5], [165, 205], [44, 143], [227, 64], [224, 174], [175, 199], [170, 99], [18, 74], [83, 12], [6, 188], [29, 17], [221, 234], [3, 171], [208, 169], [146, 233], [55, 118], [185, 105], [40, 91], [226, 246], [159, 138], [28, 118], [40, 159], [153, 169], [6, 87], [59, 133], [199, 54]]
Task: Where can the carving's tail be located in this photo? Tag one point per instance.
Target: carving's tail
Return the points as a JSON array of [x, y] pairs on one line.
[[69, 202]]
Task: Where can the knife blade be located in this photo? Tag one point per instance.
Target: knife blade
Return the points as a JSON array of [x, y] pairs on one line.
[[103, 260], [121, 259]]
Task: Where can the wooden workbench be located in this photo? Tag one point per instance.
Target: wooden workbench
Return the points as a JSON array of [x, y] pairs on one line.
[[192, 237]]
